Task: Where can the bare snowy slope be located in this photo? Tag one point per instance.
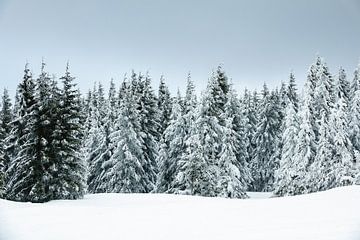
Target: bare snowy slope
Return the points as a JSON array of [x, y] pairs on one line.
[[334, 214]]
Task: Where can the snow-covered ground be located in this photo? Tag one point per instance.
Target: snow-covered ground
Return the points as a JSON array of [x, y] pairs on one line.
[[334, 214]]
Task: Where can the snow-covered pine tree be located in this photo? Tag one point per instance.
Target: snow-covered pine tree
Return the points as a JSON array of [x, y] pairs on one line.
[[99, 157], [355, 84], [283, 99], [219, 92], [230, 183], [22, 171], [324, 96], [112, 103], [199, 168], [164, 106], [292, 92], [42, 131], [69, 169], [249, 105], [285, 174], [126, 167], [342, 161], [304, 148], [149, 125], [354, 120], [93, 135], [321, 177], [6, 116], [234, 172], [267, 143], [342, 88], [172, 148]]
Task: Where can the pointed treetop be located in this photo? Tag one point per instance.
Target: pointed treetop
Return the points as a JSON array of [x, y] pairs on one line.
[[42, 65]]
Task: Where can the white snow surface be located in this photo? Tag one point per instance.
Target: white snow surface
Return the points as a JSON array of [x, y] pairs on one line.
[[334, 214]]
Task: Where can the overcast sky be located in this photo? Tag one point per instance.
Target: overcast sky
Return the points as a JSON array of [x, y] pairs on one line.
[[257, 40]]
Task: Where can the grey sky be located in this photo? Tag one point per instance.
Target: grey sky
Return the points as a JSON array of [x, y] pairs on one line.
[[257, 40]]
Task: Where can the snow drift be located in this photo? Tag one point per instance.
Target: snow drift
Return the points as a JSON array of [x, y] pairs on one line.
[[334, 214]]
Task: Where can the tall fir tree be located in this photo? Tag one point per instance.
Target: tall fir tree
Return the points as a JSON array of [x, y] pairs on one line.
[[149, 125], [22, 171], [342, 158], [172, 147], [285, 174], [6, 116], [69, 170], [199, 168], [234, 172], [292, 92], [126, 166], [266, 138], [320, 176], [164, 106], [305, 148], [342, 88]]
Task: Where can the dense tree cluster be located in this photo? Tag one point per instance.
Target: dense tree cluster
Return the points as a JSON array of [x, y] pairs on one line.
[[57, 144]]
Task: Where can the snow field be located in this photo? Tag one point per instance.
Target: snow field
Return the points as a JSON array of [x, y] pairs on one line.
[[330, 215]]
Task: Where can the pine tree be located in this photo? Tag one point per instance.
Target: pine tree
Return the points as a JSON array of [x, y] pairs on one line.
[[164, 106], [42, 129], [126, 167], [22, 172], [219, 92], [354, 120], [292, 92], [304, 149], [250, 118], [342, 87], [6, 117], [149, 125], [69, 169], [267, 143], [324, 96], [321, 177], [234, 171], [355, 84], [199, 168], [99, 157], [172, 146], [284, 175], [230, 182], [342, 147], [112, 103]]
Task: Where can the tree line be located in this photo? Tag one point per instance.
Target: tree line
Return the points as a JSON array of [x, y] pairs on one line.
[[57, 144]]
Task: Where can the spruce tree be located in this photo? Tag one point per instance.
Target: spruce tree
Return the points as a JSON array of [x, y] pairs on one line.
[[266, 138], [343, 164], [292, 92], [320, 176], [22, 172], [172, 146], [6, 117], [354, 120], [234, 172], [126, 167], [285, 174], [250, 118], [342, 87], [305, 148], [164, 106], [199, 168], [149, 125], [69, 169]]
